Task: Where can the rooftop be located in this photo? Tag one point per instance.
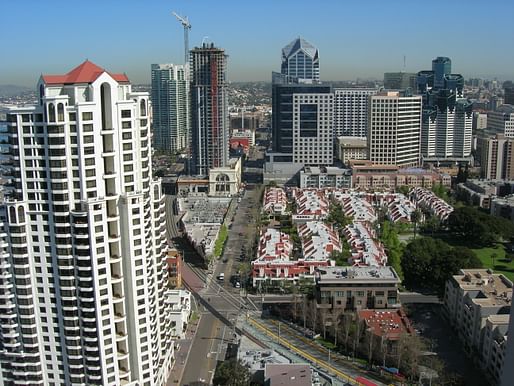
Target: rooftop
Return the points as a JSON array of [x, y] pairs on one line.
[[355, 274], [484, 287], [389, 324], [87, 72], [288, 374], [297, 44]]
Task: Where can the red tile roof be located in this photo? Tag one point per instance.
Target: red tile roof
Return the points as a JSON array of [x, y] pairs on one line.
[[86, 72], [389, 324]]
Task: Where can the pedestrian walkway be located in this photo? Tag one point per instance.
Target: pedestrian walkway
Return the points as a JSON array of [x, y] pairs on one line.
[[182, 354]]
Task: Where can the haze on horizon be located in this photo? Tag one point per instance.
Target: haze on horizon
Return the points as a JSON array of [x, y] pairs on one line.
[[356, 40]]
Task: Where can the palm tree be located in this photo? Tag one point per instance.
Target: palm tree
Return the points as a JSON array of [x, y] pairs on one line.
[[415, 217]]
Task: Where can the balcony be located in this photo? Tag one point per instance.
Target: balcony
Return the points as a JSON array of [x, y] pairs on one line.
[[108, 152], [120, 336], [116, 298], [109, 174], [114, 237], [116, 278], [118, 317], [122, 354], [124, 373]]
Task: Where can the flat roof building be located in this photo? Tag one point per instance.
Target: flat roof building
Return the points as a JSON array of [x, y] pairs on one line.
[[476, 302], [356, 288]]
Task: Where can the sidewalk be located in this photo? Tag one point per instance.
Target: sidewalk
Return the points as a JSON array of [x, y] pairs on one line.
[[182, 354]]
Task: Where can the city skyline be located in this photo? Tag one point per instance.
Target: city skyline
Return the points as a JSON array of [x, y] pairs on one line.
[[361, 40]]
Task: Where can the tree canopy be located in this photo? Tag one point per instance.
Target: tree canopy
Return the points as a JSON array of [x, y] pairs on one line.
[[428, 263], [479, 228], [336, 216], [389, 237], [231, 373]]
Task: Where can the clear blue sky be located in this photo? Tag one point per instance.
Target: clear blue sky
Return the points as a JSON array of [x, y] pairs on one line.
[[355, 38]]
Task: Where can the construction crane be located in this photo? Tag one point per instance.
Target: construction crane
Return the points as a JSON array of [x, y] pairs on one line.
[[187, 26]]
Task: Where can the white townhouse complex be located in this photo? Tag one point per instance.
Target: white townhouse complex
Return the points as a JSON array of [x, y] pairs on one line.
[[82, 267]]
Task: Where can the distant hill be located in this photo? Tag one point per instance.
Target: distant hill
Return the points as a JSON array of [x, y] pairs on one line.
[[7, 90]]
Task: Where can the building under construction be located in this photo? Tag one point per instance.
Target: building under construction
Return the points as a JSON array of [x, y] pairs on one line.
[[209, 113]]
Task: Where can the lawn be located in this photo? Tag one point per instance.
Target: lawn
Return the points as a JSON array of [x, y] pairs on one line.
[[501, 265]]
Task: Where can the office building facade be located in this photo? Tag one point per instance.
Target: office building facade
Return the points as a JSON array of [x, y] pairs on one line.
[[447, 116], [84, 239], [170, 105], [209, 111], [399, 80], [300, 60], [394, 129], [501, 121], [285, 102], [313, 129], [497, 158], [508, 93], [351, 108]]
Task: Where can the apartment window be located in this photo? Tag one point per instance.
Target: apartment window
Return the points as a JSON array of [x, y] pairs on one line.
[[125, 113], [126, 125], [87, 115]]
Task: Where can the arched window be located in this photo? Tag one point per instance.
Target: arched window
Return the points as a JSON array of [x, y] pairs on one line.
[[51, 112], [21, 214], [12, 215], [60, 112], [222, 183], [143, 107]]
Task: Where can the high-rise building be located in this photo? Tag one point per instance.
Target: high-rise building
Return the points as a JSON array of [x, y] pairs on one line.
[[351, 107], [313, 128], [447, 115], [284, 137], [83, 269], [507, 375], [300, 59], [209, 111], [170, 104], [441, 66], [497, 157], [399, 80], [394, 129], [501, 121], [508, 96]]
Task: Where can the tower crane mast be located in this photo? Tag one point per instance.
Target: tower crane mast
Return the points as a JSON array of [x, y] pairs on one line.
[[187, 26]]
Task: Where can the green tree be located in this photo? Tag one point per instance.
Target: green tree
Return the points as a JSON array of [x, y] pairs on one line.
[[231, 373], [389, 237], [415, 219], [479, 228], [432, 224], [220, 241], [440, 191], [403, 189], [336, 216], [428, 263]]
